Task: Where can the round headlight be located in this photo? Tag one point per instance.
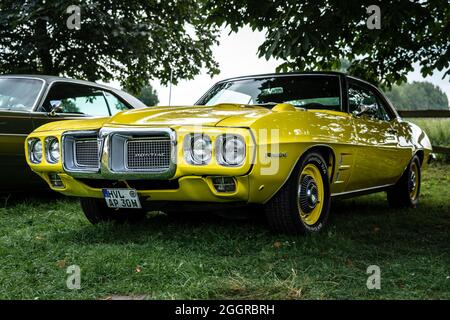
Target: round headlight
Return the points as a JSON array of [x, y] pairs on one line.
[[197, 149], [35, 148], [53, 153], [230, 150]]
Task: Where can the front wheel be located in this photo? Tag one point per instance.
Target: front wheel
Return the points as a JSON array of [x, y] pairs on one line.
[[97, 211], [302, 204], [405, 193]]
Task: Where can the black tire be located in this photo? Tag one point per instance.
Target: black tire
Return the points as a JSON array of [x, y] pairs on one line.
[[284, 210], [401, 195], [97, 211]]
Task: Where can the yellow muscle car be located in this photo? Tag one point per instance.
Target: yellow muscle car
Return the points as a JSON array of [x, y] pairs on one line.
[[288, 143]]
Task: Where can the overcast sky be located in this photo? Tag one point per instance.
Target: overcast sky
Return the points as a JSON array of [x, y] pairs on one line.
[[237, 56]]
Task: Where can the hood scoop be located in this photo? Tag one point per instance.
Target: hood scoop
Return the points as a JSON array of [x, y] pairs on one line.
[[284, 107]]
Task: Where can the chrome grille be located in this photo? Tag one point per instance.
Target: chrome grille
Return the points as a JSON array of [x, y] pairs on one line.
[[148, 154], [86, 153]]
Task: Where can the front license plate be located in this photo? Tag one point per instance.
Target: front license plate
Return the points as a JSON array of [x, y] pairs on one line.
[[122, 198]]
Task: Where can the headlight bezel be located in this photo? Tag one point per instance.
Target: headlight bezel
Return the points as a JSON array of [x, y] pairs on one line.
[[32, 143], [221, 152], [49, 142], [189, 149]]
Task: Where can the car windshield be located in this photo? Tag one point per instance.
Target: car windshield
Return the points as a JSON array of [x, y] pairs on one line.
[[306, 91], [19, 93]]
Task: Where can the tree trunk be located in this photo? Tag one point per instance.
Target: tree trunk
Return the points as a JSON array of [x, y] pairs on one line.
[[43, 45]]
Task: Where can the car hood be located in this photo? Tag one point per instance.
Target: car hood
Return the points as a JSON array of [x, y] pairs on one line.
[[189, 115], [222, 115], [81, 124]]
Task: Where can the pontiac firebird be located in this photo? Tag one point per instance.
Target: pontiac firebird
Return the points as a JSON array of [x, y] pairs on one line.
[[288, 143]]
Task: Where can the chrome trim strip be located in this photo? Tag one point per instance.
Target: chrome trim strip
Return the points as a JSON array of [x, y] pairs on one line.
[[14, 134], [361, 190]]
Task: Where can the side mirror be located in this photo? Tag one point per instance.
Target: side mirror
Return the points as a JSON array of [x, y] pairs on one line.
[[56, 108], [365, 109]]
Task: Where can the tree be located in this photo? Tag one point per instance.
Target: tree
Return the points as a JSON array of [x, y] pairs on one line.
[[129, 40], [148, 96], [418, 96], [318, 34]]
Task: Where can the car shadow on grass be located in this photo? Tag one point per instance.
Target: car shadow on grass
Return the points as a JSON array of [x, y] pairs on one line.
[[11, 200], [367, 220]]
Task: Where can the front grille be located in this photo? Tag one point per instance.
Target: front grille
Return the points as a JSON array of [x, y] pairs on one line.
[[120, 154], [86, 153], [151, 154]]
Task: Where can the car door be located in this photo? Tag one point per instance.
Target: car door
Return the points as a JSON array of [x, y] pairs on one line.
[[66, 100], [14, 128], [376, 139], [18, 95]]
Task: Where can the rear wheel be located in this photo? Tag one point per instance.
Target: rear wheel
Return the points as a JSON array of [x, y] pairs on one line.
[[405, 193], [302, 204], [97, 211]]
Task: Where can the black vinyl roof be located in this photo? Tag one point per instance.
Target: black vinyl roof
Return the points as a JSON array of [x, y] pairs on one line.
[[49, 79], [281, 74]]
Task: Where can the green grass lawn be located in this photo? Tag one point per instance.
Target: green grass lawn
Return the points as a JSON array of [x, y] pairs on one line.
[[169, 258]]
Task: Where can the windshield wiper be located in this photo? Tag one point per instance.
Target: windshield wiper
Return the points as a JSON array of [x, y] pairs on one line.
[[266, 103]]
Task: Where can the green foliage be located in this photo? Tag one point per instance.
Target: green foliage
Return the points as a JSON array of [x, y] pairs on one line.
[[148, 96], [69, 106], [131, 41], [318, 34], [418, 96], [212, 258]]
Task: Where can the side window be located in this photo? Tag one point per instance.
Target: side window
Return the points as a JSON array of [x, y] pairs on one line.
[[114, 103], [382, 111], [360, 97], [75, 98], [19, 94]]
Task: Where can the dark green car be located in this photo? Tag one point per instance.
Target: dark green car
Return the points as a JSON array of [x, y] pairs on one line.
[[27, 102]]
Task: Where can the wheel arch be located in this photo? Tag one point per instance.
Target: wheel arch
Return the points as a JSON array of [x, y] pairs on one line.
[[327, 153], [421, 155], [324, 150]]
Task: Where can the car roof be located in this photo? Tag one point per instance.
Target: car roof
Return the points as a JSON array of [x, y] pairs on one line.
[[281, 74], [264, 75], [50, 79], [299, 73]]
